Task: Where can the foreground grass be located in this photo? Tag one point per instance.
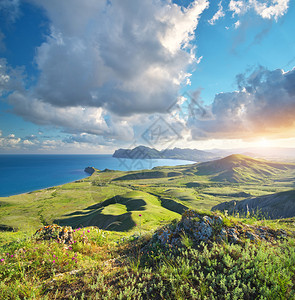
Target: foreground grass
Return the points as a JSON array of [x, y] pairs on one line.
[[106, 265]]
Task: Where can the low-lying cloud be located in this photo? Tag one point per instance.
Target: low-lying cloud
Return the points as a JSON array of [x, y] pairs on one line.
[[263, 105]]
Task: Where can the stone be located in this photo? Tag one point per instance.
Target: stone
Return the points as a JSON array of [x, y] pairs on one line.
[[54, 232]]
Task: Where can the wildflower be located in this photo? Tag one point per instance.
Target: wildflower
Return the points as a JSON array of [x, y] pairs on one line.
[[53, 262], [74, 230], [53, 255], [2, 259], [88, 231], [11, 255], [140, 215]]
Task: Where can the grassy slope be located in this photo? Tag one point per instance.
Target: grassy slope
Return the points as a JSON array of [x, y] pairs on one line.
[[85, 202], [115, 205]]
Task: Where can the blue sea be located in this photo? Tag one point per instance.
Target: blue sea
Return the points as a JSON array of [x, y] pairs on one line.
[[25, 173]]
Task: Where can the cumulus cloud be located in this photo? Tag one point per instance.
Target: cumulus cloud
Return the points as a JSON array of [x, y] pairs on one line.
[[106, 65], [75, 143], [264, 105], [125, 56], [267, 9], [78, 119], [219, 14], [9, 142], [276, 9]]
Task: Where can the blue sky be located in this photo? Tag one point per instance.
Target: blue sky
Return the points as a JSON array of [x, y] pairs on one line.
[[93, 76]]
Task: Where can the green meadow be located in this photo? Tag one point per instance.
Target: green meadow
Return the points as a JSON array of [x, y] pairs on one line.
[[119, 211]]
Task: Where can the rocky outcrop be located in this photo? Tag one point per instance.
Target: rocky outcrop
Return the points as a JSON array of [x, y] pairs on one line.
[[213, 228], [89, 170], [54, 232]]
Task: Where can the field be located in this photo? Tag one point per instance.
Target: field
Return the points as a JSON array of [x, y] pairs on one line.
[[118, 213]]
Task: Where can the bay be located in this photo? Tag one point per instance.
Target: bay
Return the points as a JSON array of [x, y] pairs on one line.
[[25, 173]]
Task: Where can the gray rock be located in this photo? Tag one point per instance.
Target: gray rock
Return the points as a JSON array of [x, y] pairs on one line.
[[233, 235]]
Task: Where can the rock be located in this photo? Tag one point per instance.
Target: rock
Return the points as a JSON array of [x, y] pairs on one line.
[[204, 231], [54, 232], [208, 220], [203, 228], [89, 170], [252, 236], [233, 235]]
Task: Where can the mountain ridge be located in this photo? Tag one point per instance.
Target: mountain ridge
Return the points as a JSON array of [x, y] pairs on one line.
[[143, 152]]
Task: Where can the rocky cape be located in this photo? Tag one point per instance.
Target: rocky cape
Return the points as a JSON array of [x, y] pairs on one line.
[[142, 152]]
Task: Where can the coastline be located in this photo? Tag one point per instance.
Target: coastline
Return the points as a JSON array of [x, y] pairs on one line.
[[28, 178]]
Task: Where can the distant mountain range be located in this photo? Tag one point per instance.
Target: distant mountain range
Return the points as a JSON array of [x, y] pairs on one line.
[[142, 152], [238, 168]]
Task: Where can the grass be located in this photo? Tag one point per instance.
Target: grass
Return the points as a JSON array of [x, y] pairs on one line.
[[121, 216], [98, 267]]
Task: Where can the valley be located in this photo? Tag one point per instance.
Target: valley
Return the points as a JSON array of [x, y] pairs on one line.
[[113, 200]]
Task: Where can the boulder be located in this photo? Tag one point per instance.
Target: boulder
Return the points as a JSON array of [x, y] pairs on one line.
[[61, 234]]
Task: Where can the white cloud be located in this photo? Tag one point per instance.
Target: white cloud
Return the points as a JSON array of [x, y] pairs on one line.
[[10, 142], [238, 7], [73, 119], [237, 24], [127, 57], [264, 105], [219, 14], [106, 65], [267, 9], [276, 9]]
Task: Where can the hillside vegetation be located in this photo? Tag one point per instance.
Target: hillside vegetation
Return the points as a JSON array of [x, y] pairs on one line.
[[133, 236]]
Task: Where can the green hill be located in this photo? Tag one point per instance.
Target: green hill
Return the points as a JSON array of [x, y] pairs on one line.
[[121, 213], [240, 168], [274, 206]]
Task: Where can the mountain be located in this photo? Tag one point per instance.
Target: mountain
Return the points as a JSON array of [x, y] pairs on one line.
[[273, 206], [270, 153], [142, 152], [238, 168]]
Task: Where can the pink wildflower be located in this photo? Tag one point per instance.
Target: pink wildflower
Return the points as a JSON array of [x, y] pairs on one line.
[[2, 259]]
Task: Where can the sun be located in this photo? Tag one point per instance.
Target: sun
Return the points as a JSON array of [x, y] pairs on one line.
[[263, 143]]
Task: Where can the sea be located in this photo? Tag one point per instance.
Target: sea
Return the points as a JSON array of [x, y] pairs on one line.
[[25, 173]]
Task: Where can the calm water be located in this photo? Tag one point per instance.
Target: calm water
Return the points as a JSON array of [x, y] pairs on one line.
[[25, 173]]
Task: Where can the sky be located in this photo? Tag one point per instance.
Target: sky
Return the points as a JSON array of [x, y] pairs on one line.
[[94, 76]]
